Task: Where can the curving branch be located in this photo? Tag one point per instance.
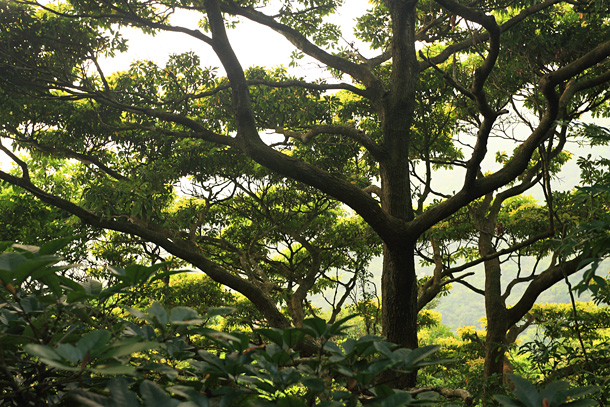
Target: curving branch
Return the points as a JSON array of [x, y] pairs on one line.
[[249, 141], [499, 253], [460, 280], [357, 135], [448, 78], [520, 160], [24, 167], [169, 241], [543, 281], [120, 15], [280, 84], [82, 157], [360, 72], [483, 37]]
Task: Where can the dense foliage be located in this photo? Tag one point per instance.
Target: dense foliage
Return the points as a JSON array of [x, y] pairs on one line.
[[282, 188], [66, 341]]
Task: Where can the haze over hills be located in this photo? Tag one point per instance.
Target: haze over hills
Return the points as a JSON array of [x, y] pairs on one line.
[[464, 307]]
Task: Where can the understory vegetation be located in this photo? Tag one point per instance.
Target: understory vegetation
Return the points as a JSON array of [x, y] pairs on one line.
[[73, 339]]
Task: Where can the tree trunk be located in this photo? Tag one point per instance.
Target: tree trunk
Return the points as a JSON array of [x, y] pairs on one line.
[[495, 310], [399, 296]]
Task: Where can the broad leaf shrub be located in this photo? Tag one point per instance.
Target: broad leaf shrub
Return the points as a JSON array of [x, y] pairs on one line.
[[556, 394], [66, 342]]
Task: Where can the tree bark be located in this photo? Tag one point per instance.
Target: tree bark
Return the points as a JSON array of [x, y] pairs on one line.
[[399, 296], [495, 310]]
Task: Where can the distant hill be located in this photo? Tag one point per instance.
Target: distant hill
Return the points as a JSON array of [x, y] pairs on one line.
[[464, 307]]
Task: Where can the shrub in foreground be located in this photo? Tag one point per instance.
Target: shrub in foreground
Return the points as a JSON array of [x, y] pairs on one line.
[[64, 340]]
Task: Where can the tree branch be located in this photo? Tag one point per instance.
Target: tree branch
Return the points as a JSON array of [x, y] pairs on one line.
[[175, 245], [462, 394], [542, 282], [361, 72], [482, 37], [354, 134]]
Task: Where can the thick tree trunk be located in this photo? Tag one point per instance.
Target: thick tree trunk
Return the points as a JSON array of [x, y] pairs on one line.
[[399, 295]]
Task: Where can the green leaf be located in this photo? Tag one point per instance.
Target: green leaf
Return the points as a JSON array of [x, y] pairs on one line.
[[579, 392], [10, 261], [198, 399], [291, 401], [218, 312], [417, 355], [120, 393], [119, 273], [293, 337], [317, 326], [397, 399], [136, 312], [330, 403], [341, 395], [27, 268], [126, 349], [507, 401], [333, 348], [60, 365], [382, 348], [526, 392], [70, 353], [93, 341], [273, 334], [339, 326], [157, 312], [155, 396], [5, 245], [114, 369], [41, 351], [162, 369], [138, 273], [582, 403], [554, 392], [92, 287], [180, 315], [55, 245], [314, 383]]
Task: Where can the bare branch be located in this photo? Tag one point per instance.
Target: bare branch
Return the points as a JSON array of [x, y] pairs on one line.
[[482, 37], [171, 242], [462, 394], [24, 167], [499, 253]]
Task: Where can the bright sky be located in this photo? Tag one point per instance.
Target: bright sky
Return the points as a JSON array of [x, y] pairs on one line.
[[252, 43]]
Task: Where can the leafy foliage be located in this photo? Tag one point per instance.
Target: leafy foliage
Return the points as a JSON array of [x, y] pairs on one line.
[[63, 340], [557, 394]]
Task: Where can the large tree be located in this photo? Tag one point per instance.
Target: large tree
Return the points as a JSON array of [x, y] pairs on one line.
[[448, 77]]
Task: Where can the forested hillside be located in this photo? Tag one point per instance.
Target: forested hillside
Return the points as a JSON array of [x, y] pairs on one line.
[[462, 307]]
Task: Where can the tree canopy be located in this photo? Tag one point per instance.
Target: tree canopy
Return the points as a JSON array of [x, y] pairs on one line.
[[431, 89]]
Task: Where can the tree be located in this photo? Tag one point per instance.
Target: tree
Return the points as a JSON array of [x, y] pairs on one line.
[[409, 112], [507, 230]]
